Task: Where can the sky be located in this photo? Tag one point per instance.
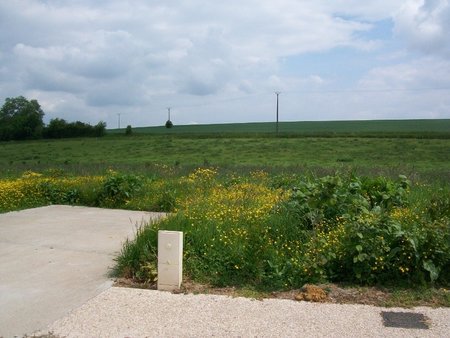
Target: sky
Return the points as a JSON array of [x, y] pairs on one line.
[[222, 61]]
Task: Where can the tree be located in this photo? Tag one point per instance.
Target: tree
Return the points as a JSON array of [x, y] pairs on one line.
[[128, 131], [56, 129], [169, 124], [21, 119], [100, 129], [60, 128]]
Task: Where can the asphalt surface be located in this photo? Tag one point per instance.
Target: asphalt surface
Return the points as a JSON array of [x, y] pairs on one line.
[[54, 259]]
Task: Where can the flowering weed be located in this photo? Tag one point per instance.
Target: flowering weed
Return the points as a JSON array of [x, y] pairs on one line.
[[268, 231]]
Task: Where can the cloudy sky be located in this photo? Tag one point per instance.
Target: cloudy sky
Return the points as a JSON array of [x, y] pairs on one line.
[[221, 61]]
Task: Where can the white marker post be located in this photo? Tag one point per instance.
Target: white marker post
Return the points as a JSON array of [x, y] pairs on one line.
[[170, 260]]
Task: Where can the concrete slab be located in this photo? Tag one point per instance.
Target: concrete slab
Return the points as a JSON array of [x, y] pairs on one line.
[[54, 259]]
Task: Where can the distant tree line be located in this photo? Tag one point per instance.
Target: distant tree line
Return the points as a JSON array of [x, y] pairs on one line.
[[21, 119], [60, 128]]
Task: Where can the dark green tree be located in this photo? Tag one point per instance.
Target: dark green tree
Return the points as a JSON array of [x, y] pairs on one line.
[[57, 128], [100, 129], [169, 124], [21, 119], [128, 131], [60, 128]]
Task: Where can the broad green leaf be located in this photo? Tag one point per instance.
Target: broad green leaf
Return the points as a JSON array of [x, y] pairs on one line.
[[432, 269]]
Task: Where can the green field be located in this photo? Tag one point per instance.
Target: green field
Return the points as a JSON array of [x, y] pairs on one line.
[[425, 157], [372, 128]]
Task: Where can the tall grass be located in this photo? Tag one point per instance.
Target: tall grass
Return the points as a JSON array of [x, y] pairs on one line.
[[271, 233], [138, 258]]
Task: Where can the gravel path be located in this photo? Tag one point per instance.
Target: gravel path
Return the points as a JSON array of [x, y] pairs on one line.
[[123, 312]]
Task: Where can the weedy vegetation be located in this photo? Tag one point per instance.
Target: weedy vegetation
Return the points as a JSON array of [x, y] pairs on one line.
[[262, 213], [259, 231]]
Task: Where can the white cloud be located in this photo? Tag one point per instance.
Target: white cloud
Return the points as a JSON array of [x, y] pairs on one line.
[[97, 58], [418, 89], [425, 25], [364, 10], [424, 73]]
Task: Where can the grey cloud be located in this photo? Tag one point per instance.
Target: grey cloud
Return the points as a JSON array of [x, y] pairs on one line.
[[106, 97], [106, 55], [200, 87], [127, 91], [49, 80]]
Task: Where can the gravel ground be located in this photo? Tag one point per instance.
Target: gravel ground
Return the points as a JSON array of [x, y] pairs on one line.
[[123, 312]]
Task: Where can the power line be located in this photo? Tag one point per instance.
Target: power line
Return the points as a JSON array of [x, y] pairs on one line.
[[157, 110], [368, 90], [308, 91], [230, 99]]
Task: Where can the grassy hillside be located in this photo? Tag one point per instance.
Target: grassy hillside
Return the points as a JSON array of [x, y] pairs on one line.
[[406, 128]]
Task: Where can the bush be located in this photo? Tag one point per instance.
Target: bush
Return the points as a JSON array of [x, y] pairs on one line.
[[118, 189], [128, 130], [324, 201]]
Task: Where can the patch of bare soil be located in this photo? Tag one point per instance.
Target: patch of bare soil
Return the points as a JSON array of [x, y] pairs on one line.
[[324, 293]]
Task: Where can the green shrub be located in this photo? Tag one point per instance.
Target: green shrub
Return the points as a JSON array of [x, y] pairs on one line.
[[326, 200], [57, 193], [378, 247], [118, 189], [386, 193]]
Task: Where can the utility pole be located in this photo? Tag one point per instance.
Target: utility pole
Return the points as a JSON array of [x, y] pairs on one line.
[[277, 94], [118, 116]]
